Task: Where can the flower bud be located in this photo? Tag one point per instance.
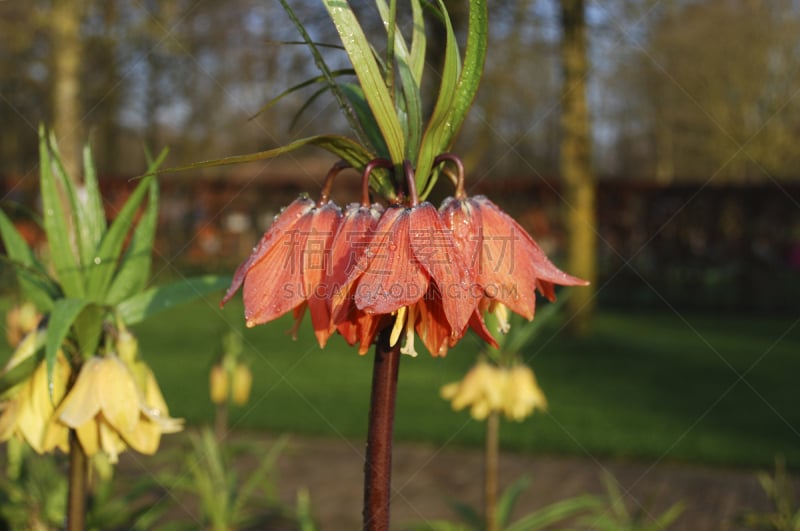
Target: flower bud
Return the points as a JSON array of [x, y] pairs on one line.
[[127, 346], [218, 384], [241, 384]]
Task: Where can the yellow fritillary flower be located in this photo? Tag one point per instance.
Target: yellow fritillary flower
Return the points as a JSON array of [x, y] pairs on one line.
[[487, 388], [110, 412], [481, 389], [27, 414], [522, 395]]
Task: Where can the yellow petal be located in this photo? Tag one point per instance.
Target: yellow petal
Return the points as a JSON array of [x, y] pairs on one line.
[[82, 403], [118, 395], [145, 438], [110, 441], [56, 435], [89, 437]]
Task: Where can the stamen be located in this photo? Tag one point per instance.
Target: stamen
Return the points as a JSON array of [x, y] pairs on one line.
[[501, 312], [398, 326], [408, 348]]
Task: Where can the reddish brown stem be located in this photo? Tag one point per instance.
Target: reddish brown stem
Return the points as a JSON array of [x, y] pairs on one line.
[[378, 466], [329, 178], [412, 184], [78, 475], [374, 163], [444, 157]]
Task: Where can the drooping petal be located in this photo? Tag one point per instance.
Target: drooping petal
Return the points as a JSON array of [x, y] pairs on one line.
[[274, 284], [464, 222], [393, 278], [283, 222], [348, 251], [82, 402], [434, 248], [493, 218], [117, 393], [317, 267], [433, 326]]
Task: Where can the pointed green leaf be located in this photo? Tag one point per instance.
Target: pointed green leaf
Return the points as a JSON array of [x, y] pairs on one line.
[[31, 274], [522, 333], [154, 300], [75, 204], [91, 214], [360, 105], [88, 327], [19, 373], [412, 109], [369, 75], [416, 59], [304, 84], [64, 313], [107, 256], [58, 224], [555, 512], [505, 505], [134, 269], [352, 119], [435, 139], [474, 58]]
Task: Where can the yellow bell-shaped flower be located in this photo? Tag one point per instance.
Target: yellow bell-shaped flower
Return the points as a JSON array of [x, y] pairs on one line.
[[218, 384], [28, 413], [241, 384], [522, 395], [110, 412], [481, 390]]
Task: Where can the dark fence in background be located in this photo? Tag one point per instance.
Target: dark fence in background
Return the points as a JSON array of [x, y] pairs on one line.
[[689, 247]]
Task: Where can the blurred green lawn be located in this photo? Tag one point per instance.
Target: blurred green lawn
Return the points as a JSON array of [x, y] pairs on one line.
[[650, 386], [699, 388]]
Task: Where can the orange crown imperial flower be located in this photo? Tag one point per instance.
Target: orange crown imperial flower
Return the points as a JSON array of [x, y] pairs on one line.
[[424, 272]]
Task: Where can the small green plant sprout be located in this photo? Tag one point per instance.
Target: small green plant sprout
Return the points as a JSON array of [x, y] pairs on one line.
[[785, 514], [226, 501], [612, 514]]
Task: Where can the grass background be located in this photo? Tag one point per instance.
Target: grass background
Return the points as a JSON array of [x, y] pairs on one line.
[[715, 389]]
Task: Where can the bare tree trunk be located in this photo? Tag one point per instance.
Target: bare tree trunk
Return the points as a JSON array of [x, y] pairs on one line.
[[67, 51], [576, 165]]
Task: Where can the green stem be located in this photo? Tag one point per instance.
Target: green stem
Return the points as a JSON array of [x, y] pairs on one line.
[[78, 475], [491, 464], [378, 466]]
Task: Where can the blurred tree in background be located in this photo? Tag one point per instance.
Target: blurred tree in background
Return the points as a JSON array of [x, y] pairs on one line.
[[677, 90]]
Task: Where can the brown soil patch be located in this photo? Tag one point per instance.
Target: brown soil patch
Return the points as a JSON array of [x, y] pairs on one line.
[[426, 478]]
